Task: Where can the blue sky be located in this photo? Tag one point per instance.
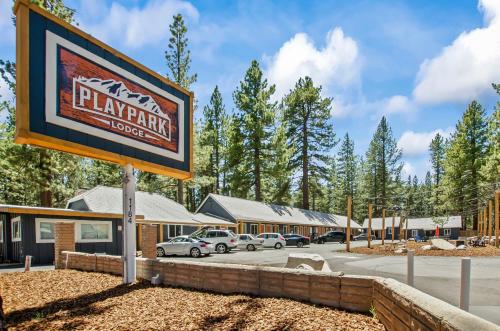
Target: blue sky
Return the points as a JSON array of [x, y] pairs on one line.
[[417, 62]]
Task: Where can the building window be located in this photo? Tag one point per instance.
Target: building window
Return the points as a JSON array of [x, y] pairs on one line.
[[414, 233], [446, 232], [100, 231], [254, 229], [389, 230], [174, 230], [16, 229]]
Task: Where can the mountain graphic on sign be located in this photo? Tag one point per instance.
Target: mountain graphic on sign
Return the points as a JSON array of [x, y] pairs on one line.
[[120, 91]]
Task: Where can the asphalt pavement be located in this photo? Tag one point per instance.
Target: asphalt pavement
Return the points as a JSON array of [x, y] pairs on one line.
[[437, 276]]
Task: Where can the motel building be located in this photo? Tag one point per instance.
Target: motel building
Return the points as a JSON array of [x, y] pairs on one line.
[[377, 227], [256, 217]]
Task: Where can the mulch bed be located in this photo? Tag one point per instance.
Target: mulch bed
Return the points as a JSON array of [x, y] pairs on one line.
[[69, 299], [388, 249]]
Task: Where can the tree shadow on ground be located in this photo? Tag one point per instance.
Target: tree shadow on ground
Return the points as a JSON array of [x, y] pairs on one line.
[[72, 307]]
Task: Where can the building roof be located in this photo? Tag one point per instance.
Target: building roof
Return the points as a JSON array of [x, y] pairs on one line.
[[15, 209], [209, 219], [428, 223], [154, 207], [377, 223], [248, 210]]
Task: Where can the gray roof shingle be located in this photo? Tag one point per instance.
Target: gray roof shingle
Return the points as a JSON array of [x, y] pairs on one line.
[[248, 210], [154, 207]]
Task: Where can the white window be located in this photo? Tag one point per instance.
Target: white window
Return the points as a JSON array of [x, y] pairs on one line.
[[94, 231], [16, 229], [389, 230], [446, 232], [1, 231], [44, 229], [414, 233]]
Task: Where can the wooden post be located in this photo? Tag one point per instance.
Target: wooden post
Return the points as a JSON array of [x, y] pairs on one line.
[[393, 220], [497, 216], [348, 234], [161, 233], [383, 226], [490, 222], [479, 222], [370, 210]]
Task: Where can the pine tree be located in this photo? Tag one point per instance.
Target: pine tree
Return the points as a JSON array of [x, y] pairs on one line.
[[463, 161], [346, 172], [215, 118], [383, 168], [428, 209], [178, 58], [256, 112], [437, 150], [490, 172], [310, 131], [237, 166], [31, 175]]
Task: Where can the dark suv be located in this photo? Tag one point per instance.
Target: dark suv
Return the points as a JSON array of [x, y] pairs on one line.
[[332, 236]]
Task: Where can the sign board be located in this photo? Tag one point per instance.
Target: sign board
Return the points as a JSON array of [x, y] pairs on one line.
[[76, 94]]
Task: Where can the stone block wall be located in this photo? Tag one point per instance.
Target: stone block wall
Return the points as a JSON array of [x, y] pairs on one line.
[[398, 306], [148, 240], [64, 235]]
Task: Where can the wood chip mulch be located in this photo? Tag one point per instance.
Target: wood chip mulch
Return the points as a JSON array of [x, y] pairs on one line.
[[69, 299], [388, 249]]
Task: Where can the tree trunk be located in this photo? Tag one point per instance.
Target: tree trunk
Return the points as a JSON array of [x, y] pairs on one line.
[[180, 192], [305, 168], [258, 193], [45, 193]]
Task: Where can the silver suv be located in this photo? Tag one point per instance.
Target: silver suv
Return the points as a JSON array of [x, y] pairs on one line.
[[222, 240]]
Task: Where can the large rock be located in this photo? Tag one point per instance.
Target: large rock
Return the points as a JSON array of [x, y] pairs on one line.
[[315, 261], [442, 244]]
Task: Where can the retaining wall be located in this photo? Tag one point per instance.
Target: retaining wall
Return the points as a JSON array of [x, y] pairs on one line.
[[397, 305]]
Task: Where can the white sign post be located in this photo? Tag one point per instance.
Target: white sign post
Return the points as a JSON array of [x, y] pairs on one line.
[[129, 249]]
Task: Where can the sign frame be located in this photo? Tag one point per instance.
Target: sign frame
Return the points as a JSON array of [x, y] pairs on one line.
[[25, 135]]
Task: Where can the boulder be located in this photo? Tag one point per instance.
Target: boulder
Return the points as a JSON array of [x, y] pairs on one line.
[[401, 250], [426, 247], [315, 261], [461, 247], [442, 244]]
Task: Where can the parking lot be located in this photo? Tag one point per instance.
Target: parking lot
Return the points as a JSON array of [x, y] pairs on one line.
[[438, 276]]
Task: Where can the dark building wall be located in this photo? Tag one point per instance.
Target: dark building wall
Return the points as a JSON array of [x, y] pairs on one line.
[[43, 253], [454, 233], [213, 207], [3, 245], [389, 236]]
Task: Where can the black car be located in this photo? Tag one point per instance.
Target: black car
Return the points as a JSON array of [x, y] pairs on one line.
[[296, 240], [332, 236]]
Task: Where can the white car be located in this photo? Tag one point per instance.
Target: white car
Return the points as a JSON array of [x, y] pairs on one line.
[[248, 242], [183, 246], [275, 240], [222, 240]]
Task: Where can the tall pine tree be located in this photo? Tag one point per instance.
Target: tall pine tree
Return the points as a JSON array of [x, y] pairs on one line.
[[256, 113], [310, 131]]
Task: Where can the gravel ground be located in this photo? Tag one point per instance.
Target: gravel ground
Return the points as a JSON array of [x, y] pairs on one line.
[[68, 299], [388, 249]]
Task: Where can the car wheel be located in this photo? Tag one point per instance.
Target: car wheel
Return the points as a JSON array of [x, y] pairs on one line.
[[278, 246], [160, 252], [250, 247], [300, 244], [195, 252], [221, 248]]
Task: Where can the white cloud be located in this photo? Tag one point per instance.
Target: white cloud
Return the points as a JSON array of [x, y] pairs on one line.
[[408, 169], [417, 143], [337, 65], [398, 104], [465, 69], [138, 26]]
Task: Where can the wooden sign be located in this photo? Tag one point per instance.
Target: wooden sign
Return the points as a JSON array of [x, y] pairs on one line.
[[76, 94]]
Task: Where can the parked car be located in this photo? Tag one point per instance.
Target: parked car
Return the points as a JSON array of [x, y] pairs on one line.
[[332, 236], [183, 246], [293, 239], [222, 240], [363, 236], [249, 242], [275, 240]]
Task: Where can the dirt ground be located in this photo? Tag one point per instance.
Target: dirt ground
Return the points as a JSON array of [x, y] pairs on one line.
[[68, 299], [388, 249]]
